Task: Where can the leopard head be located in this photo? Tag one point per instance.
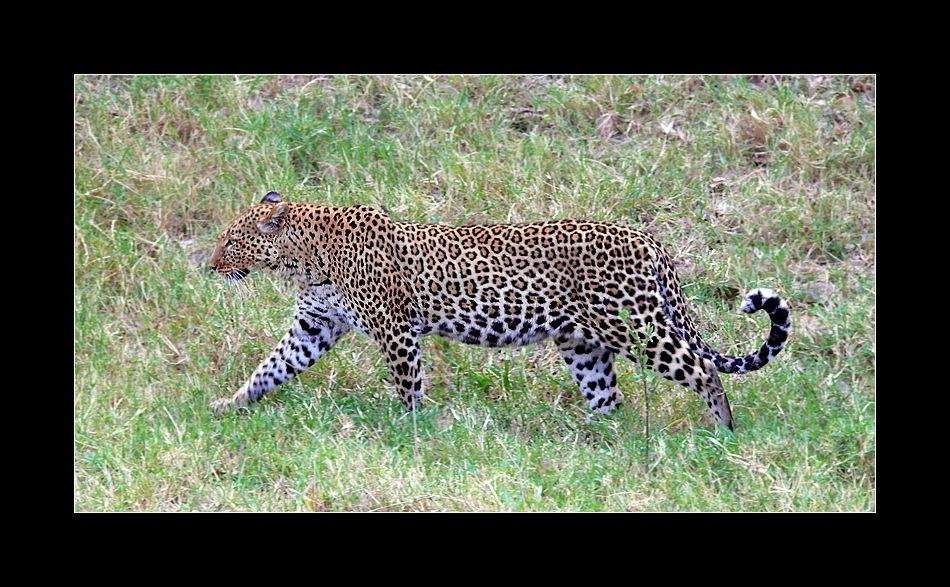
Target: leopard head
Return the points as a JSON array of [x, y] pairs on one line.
[[252, 240]]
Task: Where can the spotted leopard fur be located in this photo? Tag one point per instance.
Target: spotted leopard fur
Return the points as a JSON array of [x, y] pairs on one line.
[[598, 289]]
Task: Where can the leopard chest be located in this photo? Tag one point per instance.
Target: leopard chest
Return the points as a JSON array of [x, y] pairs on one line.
[[325, 302]]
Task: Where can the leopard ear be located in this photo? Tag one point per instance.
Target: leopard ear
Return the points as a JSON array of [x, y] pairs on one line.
[[275, 219], [271, 198]]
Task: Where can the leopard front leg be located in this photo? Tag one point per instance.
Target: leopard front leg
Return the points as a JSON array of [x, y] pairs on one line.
[[403, 355], [309, 338]]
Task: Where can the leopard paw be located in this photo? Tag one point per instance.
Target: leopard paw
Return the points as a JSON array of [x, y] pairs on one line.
[[223, 406]]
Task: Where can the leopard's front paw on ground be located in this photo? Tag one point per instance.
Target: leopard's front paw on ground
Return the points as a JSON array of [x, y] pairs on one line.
[[223, 406]]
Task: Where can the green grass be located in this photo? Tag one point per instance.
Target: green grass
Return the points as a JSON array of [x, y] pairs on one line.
[[749, 181]]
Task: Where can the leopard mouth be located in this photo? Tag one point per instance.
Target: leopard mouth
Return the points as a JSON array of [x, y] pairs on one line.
[[237, 275]]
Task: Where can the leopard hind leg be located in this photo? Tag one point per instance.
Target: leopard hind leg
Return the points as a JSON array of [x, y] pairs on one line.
[[670, 356], [667, 354]]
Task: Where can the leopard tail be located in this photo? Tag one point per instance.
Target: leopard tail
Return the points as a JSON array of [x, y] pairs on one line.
[[781, 317]]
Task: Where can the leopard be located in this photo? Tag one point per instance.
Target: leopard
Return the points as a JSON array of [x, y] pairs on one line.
[[597, 289]]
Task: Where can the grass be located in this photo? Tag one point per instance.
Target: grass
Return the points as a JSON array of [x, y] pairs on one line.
[[749, 181]]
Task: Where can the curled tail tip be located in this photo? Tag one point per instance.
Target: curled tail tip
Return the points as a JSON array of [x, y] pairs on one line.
[[781, 317], [762, 297]]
